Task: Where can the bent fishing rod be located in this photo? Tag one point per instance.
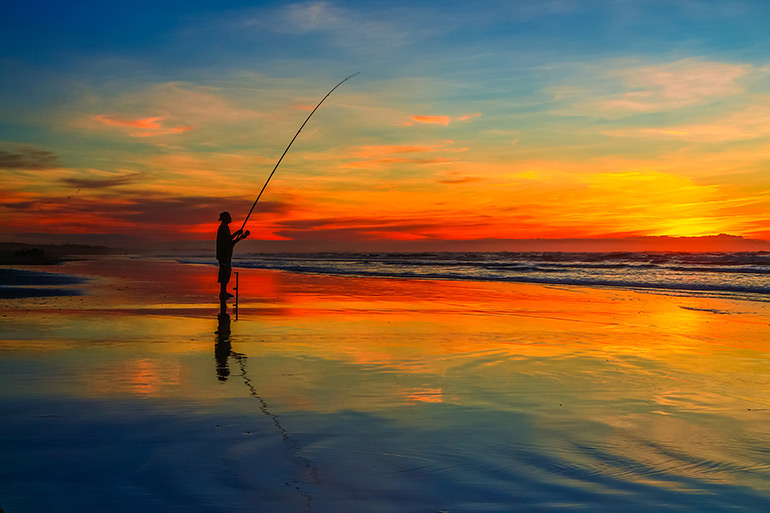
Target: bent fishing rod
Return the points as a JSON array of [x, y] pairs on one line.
[[289, 146]]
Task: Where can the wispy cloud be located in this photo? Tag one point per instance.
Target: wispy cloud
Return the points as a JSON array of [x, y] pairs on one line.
[[347, 27], [28, 157], [380, 150], [148, 127], [314, 16], [676, 84], [149, 215], [439, 119], [176, 108], [429, 120], [653, 88], [749, 123], [391, 161], [387, 155], [146, 123], [102, 182], [468, 117], [459, 180]]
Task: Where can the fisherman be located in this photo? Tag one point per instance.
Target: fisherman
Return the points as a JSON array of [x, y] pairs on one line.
[[225, 243]]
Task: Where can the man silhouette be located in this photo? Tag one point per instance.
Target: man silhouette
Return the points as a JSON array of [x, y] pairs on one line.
[[225, 243]]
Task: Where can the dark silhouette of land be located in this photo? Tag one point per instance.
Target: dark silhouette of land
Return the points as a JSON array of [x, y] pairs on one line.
[[17, 253]]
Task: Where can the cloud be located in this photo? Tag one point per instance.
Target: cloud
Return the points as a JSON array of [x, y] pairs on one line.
[[431, 120], [314, 16], [649, 89], [148, 215], [28, 157], [380, 150], [354, 229], [410, 225], [189, 102], [371, 156], [147, 123], [750, 123], [100, 183], [347, 28], [190, 212], [459, 180], [19, 206], [468, 117], [305, 107], [439, 120], [149, 126], [167, 131], [677, 84], [175, 108], [397, 160], [165, 210]]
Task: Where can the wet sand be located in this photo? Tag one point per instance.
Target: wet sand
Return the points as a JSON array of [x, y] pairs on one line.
[[332, 394]]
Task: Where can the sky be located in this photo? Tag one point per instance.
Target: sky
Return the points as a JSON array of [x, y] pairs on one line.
[[129, 123]]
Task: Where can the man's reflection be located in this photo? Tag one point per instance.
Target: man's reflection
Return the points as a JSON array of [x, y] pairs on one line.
[[222, 347]]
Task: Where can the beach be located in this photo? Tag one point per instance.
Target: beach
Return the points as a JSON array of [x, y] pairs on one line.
[[128, 389]]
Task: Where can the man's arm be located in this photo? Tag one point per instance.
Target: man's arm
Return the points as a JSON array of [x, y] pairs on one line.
[[239, 236]]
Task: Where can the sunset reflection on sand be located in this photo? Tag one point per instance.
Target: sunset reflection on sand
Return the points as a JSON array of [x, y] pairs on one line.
[[594, 391]]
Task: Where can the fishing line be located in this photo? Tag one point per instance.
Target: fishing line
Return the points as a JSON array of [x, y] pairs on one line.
[[289, 146], [223, 352], [291, 446]]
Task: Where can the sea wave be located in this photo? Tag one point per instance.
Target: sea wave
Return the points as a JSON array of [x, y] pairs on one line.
[[741, 275]]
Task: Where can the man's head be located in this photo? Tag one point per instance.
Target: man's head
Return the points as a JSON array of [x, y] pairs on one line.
[[225, 217]]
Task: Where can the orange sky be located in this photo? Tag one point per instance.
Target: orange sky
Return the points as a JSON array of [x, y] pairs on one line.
[[446, 135]]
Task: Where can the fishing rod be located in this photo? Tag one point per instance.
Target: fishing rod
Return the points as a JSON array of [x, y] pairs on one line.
[[289, 146]]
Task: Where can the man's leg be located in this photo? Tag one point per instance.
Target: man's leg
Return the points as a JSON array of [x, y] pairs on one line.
[[224, 279]]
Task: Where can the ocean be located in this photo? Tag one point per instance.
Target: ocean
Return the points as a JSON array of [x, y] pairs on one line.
[[729, 275]]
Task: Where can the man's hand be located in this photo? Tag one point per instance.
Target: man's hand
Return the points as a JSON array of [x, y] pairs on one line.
[[246, 234]]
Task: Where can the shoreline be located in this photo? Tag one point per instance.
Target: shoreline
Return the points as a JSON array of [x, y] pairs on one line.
[[169, 288], [25, 281]]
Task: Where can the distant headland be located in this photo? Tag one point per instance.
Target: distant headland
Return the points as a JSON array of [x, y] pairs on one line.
[[18, 253]]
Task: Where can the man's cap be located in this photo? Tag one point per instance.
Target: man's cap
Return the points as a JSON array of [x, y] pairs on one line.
[[225, 215]]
